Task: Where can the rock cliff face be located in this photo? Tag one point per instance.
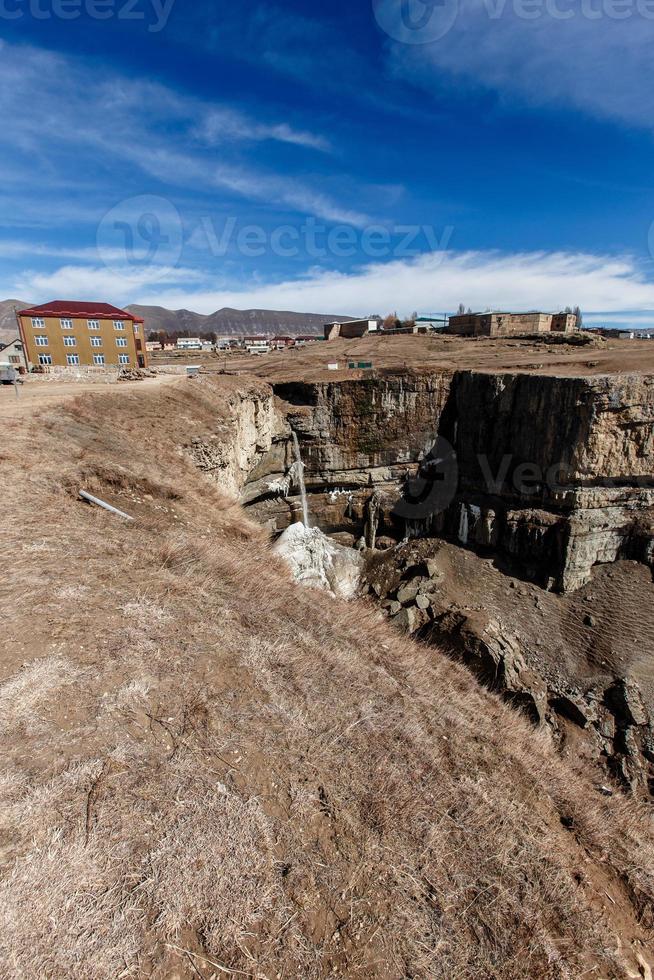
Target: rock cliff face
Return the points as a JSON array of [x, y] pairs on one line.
[[556, 474], [245, 438], [357, 438]]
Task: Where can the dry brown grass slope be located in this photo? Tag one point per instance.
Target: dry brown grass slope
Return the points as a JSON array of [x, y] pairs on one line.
[[209, 771]]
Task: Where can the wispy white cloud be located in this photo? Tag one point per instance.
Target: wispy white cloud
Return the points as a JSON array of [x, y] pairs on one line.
[[149, 128], [431, 283], [119, 285], [594, 55], [219, 125]]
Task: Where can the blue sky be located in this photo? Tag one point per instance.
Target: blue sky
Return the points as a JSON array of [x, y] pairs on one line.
[[385, 155]]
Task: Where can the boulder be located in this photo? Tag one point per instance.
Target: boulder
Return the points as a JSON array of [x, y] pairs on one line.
[[411, 618], [625, 700], [407, 593], [574, 706], [433, 569]]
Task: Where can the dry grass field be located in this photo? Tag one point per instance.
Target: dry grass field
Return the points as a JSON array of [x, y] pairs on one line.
[[209, 771], [443, 353]]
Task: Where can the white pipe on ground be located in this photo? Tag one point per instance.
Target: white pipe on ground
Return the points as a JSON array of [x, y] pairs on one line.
[[101, 503]]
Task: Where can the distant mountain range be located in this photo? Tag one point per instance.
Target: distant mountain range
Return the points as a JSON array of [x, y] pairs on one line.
[[226, 321], [229, 321]]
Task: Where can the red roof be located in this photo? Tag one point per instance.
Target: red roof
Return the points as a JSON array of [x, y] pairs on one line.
[[70, 308]]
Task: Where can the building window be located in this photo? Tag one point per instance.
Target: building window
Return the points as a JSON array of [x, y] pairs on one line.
[[93, 324], [70, 342], [98, 359], [66, 324], [119, 325], [41, 341], [121, 342], [96, 341], [14, 359], [38, 323], [45, 358], [123, 358], [72, 359]]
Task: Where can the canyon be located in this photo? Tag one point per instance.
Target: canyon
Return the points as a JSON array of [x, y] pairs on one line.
[[507, 517]]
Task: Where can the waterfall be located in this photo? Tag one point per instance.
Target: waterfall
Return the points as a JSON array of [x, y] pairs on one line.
[[299, 475], [463, 524], [372, 522]]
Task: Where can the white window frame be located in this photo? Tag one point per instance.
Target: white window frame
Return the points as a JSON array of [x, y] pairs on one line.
[[93, 324], [45, 359], [119, 325], [121, 341], [66, 323], [72, 360], [41, 341], [98, 360], [38, 323], [70, 341], [96, 341], [123, 359]]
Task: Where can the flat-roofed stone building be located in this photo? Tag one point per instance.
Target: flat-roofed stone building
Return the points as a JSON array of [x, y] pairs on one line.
[[502, 324]]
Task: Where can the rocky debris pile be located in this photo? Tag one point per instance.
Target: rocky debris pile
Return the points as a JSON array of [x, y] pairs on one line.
[[317, 561], [606, 720], [136, 374]]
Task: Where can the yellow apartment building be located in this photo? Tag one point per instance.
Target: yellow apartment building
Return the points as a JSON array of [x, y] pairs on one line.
[[71, 334]]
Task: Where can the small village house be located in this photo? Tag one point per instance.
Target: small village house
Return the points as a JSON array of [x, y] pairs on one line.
[[13, 354], [189, 343], [65, 333], [350, 329], [257, 344]]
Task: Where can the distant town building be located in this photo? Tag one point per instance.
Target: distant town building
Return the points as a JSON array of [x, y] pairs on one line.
[[308, 338], [13, 354], [226, 343], [502, 324], [188, 343], [427, 324], [257, 344], [65, 333], [350, 329], [279, 343], [618, 333]]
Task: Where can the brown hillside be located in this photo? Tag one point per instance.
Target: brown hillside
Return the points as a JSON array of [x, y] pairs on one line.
[[209, 771]]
